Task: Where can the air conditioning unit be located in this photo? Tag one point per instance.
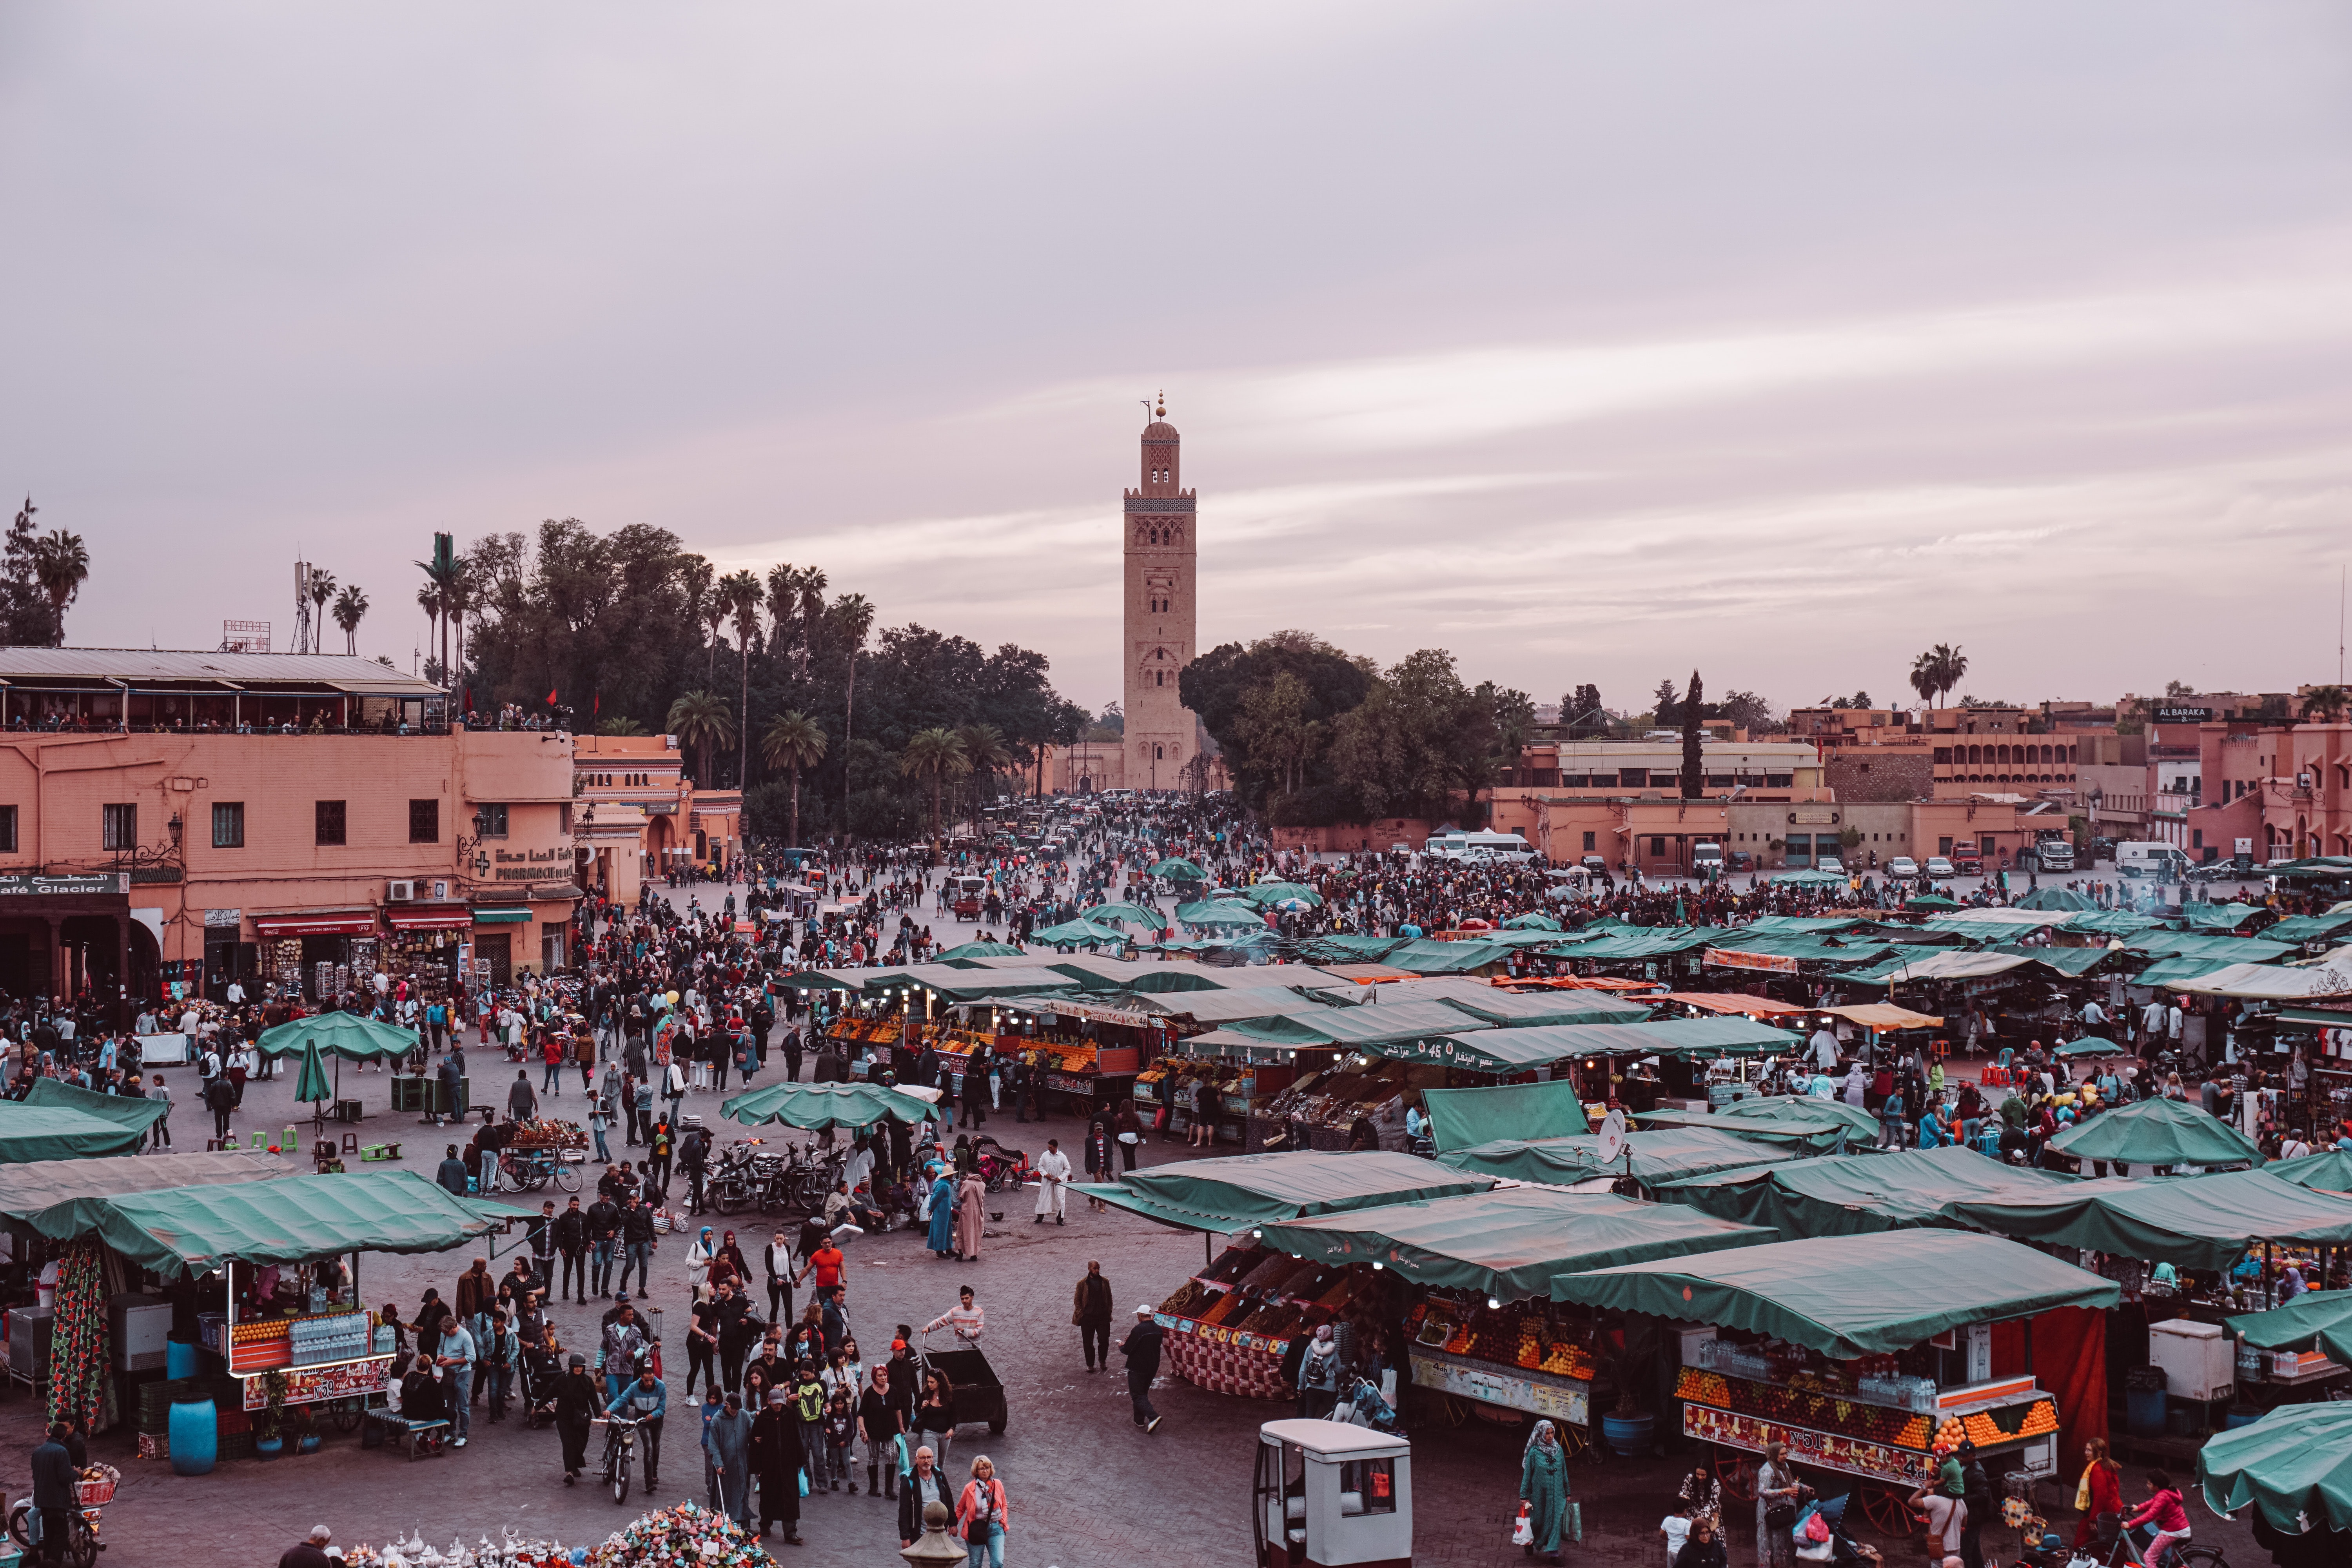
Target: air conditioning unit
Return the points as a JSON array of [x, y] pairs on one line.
[[399, 892]]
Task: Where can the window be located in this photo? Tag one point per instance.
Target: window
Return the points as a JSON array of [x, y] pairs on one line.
[[425, 822], [228, 824], [330, 818], [119, 827], [7, 829], [1633, 778], [1657, 847], [1780, 781], [494, 821], [1944, 755]]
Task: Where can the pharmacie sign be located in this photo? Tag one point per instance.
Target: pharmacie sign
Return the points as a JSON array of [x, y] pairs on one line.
[[101, 882], [531, 865]]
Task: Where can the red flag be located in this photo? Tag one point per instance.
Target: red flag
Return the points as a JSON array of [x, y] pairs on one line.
[[551, 697]]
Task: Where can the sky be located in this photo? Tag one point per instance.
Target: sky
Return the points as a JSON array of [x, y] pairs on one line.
[[1594, 342]]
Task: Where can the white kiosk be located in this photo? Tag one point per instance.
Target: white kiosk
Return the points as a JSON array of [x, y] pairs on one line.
[[1332, 1495]]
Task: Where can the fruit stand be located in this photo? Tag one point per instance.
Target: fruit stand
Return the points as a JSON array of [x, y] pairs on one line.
[[1228, 1328], [1520, 1356]]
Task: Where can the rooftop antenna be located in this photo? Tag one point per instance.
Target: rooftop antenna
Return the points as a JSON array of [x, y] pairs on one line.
[[1147, 411]]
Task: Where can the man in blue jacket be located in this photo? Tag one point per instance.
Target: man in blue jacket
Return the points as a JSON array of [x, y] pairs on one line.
[[644, 1401]]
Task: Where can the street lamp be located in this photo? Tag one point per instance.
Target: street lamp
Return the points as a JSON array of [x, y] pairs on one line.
[[937, 1549]]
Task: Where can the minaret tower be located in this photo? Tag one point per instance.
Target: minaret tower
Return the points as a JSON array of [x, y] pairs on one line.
[[1161, 735]]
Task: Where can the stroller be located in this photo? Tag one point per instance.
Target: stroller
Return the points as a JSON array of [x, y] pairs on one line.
[[536, 1376], [1836, 1549], [1000, 1168], [1361, 1404]]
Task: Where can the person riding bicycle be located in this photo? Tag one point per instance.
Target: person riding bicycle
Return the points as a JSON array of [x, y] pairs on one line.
[[644, 1402], [2162, 1514]]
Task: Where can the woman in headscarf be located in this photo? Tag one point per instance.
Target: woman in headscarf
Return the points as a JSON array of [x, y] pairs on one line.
[[698, 1263], [1776, 1487], [972, 1207], [1099, 1159], [728, 1263], [1319, 1375], [1543, 1487], [943, 1208]]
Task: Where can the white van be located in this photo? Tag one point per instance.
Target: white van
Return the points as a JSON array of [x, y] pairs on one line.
[[2147, 857], [1487, 846]]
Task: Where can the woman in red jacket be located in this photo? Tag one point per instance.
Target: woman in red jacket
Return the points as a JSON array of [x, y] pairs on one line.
[[2103, 1486], [980, 1516]]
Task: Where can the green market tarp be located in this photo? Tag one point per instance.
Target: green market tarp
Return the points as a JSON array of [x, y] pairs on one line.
[[1902, 968], [2091, 1045], [299, 1219], [1220, 912], [954, 954], [2205, 1222], [2157, 1133], [2071, 962], [2295, 1466], [1810, 879], [2203, 944], [345, 1035], [1790, 1122], [2112, 922], [2307, 928], [2165, 971], [817, 980], [30, 1188], [1933, 903], [817, 1106], [1461, 1117], [1239, 1191], [1858, 1195], [1797, 925], [1507, 1244], [1078, 933], [1493, 1050], [1805, 948], [1644, 943], [1707, 1039], [1350, 947], [1135, 912], [2056, 898], [1265, 895], [311, 1078], [2315, 1321], [1392, 1027], [1534, 921], [2330, 1171], [1524, 1009], [2218, 917], [1429, 956], [1671, 1154], [138, 1115], [1832, 1293], [38, 1132], [1178, 869]]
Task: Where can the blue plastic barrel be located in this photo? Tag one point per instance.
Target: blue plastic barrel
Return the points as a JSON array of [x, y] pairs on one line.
[[2143, 1412], [179, 1359], [194, 1437]]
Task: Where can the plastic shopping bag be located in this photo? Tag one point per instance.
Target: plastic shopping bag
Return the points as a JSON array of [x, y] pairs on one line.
[[1523, 1529]]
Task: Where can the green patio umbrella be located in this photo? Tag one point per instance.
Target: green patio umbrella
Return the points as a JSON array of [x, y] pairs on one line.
[[1223, 912], [1930, 901], [310, 1083], [1265, 893], [1078, 933], [2293, 1465], [817, 1106], [1177, 868], [1135, 912]]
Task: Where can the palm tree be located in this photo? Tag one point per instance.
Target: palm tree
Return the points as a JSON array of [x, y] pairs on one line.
[[322, 588], [792, 741], [457, 597], [351, 608], [740, 592], [60, 565], [1937, 671], [429, 600], [939, 752], [1923, 676], [436, 597], [985, 751], [2326, 704], [701, 718], [621, 726]]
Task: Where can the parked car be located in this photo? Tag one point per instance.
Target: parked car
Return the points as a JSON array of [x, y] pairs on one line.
[[1940, 869], [1901, 869], [1596, 864], [1832, 864]]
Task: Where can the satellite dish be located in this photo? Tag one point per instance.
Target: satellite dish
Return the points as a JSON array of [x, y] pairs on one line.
[[1613, 1137]]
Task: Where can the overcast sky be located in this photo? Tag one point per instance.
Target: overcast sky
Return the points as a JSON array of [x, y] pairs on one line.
[[1590, 342]]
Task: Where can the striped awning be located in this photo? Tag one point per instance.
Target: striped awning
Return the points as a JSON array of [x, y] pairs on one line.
[[500, 917], [444, 918]]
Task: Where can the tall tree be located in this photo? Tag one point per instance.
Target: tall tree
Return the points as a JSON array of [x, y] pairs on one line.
[[1580, 712], [939, 754], [62, 564], [1274, 726], [322, 590], [984, 753], [27, 619], [740, 591], [351, 608], [700, 720], [429, 600], [1694, 741], [792, 742]]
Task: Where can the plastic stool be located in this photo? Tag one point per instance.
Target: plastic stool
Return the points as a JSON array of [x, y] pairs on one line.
[[258, 1142], [1942, 1048], [351, 1142]]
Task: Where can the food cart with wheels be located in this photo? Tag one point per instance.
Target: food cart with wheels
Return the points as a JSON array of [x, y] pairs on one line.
[[1805, 1342], [1328, 1493], [1472, 1274]]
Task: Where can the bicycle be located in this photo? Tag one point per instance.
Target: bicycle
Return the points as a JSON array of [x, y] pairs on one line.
[[82, 1545], [620, 1438]]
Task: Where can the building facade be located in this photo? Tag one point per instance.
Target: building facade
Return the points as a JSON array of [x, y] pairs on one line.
[[293, 820], [1162, 552]]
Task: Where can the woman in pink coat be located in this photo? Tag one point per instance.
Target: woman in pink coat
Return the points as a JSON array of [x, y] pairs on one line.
[[970, 1205]]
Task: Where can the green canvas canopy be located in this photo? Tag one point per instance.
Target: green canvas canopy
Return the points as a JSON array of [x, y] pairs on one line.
[[123, 1110], [1524, 1009], [2091, 1045], [1266, 894], [2294, 1464], [818, 980], [977, 984], [2307, 928], [1220, 912], [1350, 947], [2329, 1171], [1670, 1154], [817, 1106], [1832, 1293], [2204, 1222], [1461, 1118], [40, 1133], [1903, 967], [962, 950], [1857, 1195], [1391, 1028], [2071, 962], [1809, 878], [1642, 943], [30, 1188], [1931, 901], [2157, 1133], [297, 1219], [2165, 971], [1491, 1049], [2315, 1321], [1237, 1192], [2056, 898], [1179, 869], [2218, 917], [1805, 947], [1078, 933], [1431, 957], [2111, 922], [1797, 925], [1532, 921], [345, 1035], [1790, 1122], [1507, 1244], [1135, 912], [2206, 944], [1707, 1039]]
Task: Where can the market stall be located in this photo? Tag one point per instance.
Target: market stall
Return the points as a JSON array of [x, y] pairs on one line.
[[2294, 1469], [58, 1124], [1466, 1118], [817, 1106], [1087, 1054], [349, 1036], [1803, 1343], [2152, 1135], [2308, 1341], [1796, 1123], [1478, 1271], [1651, 1159], [1853, 1194]]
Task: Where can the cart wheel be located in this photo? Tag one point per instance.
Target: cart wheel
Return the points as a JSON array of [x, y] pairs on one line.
[[349, 1414], [20, 1529], [567, 1178], [1736, 1476], [1888, 1514]]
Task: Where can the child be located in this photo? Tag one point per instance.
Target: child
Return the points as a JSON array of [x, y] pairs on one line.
[[1676, 1528], [809, 1408], [2162, 1514], [840, 1436]]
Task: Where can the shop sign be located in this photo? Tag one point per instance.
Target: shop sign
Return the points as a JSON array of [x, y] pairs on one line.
[[216, 919], [372, 1375], [1730, 958], [1831, 1451], [530, 865], [1556, 1398], [99, 883], [1097, 1015], [2184, 715]]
